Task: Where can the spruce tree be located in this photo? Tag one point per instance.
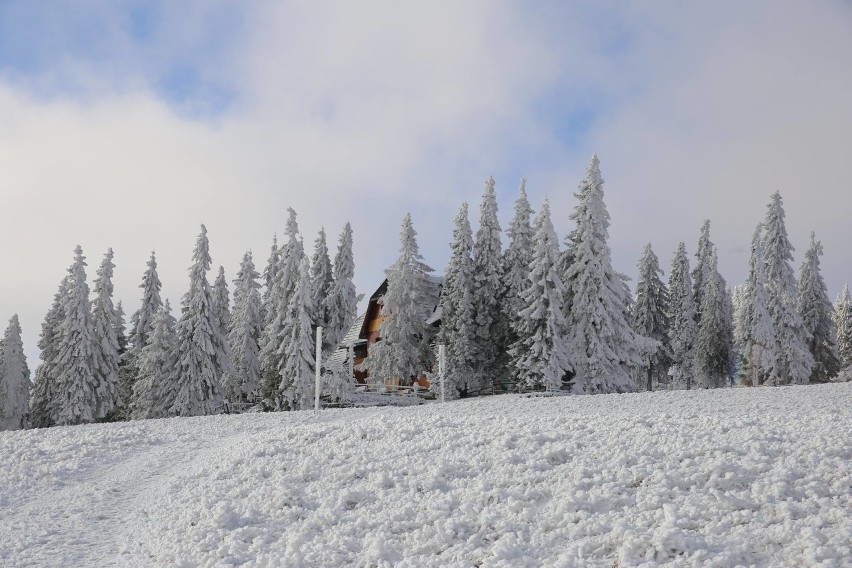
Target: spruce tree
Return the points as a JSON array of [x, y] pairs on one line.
[[540, 355], [105, 356], [603, 348], [756, 332], [402, 353], [196, 371], [154, 393], [43, 399], [222, 314], [341, 303], [321, 282], [458, 322], [701, 274], [712, 348], [276, 332], [142, 320], [815, 310], [14, 380], [843, 328], [299, 364], [244, 335], [649, 316], [684, 329], [489, 354], [796, 361], [269, 275], [516, 261], [76, 393]]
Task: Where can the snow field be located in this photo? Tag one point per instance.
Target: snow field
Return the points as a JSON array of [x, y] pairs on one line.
[[725, 477]]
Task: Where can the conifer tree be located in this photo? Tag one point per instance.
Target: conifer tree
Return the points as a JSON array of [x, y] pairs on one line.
[[105, 355], [222, 314], [684, 330], [142, 320], [540, 355], [603, 348], [341, 303], [154, 393], [44, 399], [269, 275], [701, 274], [712, 349], [815, 310], [796, 361], [276, 332], [756, 335], [196, 370], [126, 372], [321, 281], [76, 393], [843, 328], [649, 316], [516, 261], [402, 352], [458, 323], [244, 334], [299, 363], [489, 354], [14, 380]]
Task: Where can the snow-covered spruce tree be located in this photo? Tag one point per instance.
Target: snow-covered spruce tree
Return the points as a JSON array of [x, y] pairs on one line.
[[650, 318], [43, 398], [458, 322], [14, 380], [222, 314], [756, 332], [603, 348], [269, 275], [76, 394], [275, 331], [516, 261], [540, 354], [196, 366], [341, 303], [142, 320], [796, 361], [154, 393], [815, 310], [489, 356], [404, 349], [684, 330], [321, 281], [712, 347], [244, 334], [126, 372], [299, 364], [105, 356], [843, 328], [701, 274]]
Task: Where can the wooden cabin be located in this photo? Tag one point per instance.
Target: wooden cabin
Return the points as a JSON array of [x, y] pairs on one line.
[[365, 331]]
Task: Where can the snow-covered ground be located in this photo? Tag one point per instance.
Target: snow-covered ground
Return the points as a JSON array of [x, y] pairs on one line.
[[730, 477]]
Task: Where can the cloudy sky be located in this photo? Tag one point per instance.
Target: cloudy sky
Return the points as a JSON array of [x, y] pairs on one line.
[[128, 124]]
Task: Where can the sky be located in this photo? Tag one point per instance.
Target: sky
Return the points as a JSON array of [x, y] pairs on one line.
[[128, 124]]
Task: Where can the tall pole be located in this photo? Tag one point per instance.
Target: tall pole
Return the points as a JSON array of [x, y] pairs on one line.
[[318, 369], [442, 364]]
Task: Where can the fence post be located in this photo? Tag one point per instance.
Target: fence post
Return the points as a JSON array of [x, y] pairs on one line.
[[442, 364], [318, 370]]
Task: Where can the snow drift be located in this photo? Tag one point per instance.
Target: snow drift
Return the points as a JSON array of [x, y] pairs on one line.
[[713, 478]]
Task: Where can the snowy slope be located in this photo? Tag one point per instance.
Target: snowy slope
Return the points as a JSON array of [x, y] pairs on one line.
[[713, 478]]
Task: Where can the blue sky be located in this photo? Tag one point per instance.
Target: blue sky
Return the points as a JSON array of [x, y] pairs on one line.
[[127, 124]]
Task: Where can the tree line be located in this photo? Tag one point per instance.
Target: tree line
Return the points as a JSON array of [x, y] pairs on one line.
[[535, 316]]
